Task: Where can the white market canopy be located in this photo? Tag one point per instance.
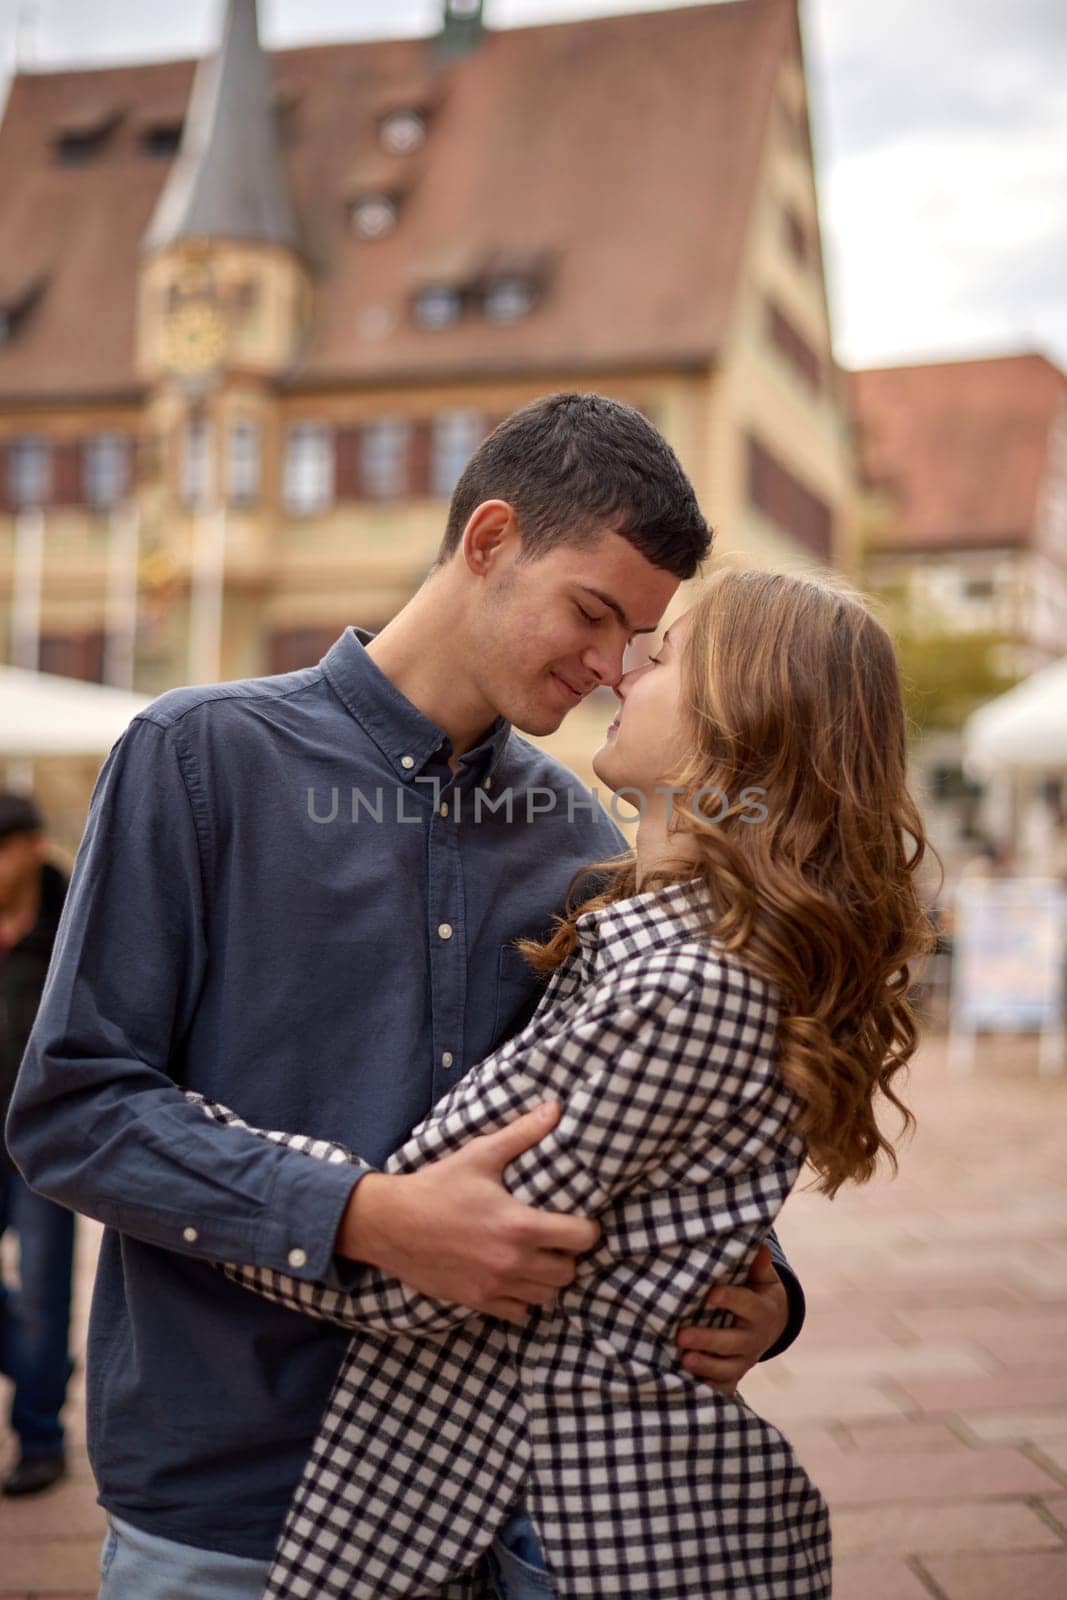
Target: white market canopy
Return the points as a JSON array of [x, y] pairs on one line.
[[1023, 730], [45, 715]]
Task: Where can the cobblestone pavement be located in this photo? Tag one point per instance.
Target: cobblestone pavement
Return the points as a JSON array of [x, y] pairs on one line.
[[928, 1393]]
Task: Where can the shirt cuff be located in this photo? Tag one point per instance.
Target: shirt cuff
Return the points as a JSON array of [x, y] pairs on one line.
[[306, 1210]]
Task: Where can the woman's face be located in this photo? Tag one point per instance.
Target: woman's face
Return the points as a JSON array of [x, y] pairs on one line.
[[644, 742]]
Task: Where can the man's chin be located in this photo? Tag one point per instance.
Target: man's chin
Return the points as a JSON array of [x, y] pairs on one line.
[[538, 724]]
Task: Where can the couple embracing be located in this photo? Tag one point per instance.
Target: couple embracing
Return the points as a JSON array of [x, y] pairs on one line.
[[439, 1150]]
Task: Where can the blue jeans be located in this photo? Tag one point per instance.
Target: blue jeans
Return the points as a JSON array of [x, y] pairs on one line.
[[35, 1318], [135, 1565], [516, 1564]]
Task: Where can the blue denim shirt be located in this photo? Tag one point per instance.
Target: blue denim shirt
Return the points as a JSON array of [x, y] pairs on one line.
[[286, 900]]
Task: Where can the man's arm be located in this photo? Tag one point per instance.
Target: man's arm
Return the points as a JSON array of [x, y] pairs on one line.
[[97, 1121]]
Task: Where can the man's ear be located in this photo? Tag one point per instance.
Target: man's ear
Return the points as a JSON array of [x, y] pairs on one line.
[[492, 528]]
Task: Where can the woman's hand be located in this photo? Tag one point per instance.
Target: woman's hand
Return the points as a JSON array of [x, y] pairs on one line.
[[722, 1356]]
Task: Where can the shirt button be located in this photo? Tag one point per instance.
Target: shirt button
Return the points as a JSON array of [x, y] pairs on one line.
[[190, 1235], [407, 761], [446, 1059], [298, 1258], [445, 930], [488, 783], [444, 808]]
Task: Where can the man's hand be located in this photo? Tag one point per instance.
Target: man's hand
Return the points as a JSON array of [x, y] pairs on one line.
[[722, 1356], [452, 1230]]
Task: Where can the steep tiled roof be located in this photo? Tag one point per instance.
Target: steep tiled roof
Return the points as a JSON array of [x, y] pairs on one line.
[[960, 446], [614, 158]]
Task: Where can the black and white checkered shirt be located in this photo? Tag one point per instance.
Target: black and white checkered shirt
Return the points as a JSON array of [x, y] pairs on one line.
[[640, 1479]]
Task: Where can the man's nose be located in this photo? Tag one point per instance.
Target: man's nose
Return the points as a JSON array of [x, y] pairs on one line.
[[606, 663]]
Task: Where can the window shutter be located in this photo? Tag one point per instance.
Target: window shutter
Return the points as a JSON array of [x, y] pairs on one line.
[[419, 464], [66, 473], [348, 477]]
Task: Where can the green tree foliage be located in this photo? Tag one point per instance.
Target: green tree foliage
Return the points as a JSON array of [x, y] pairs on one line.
[[948, 674]]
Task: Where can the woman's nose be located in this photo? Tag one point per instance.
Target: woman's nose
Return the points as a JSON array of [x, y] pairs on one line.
[[624, 684]]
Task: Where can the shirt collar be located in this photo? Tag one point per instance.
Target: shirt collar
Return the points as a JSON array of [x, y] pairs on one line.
[[401, 731], [644, 921]]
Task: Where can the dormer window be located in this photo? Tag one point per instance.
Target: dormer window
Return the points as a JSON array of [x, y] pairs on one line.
[[372, 216], [508, 299], [81, 138], [402, 132], [439, 305], [160, 140], [16, 307]]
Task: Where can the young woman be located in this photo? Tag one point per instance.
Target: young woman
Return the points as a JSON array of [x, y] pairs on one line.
[[730, 1000]]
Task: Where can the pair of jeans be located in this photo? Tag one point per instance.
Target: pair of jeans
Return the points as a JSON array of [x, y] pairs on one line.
[[35, 1318], [135, 1565], [516, 1564]]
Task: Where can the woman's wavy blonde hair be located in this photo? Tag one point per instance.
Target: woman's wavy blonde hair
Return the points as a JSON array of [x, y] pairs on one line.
[[791, 686]]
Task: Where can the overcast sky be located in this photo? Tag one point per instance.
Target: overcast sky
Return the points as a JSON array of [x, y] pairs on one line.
[[940, 130]]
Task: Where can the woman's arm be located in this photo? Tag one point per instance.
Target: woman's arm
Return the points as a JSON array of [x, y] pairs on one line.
[[656, 1056]]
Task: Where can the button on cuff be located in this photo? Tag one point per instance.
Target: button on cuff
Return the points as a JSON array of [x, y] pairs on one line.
[[297, 1258]]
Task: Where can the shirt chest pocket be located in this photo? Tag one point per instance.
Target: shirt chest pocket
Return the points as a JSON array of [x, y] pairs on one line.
[[518, 989]]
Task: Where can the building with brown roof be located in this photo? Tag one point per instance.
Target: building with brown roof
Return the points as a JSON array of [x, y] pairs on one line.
[[964, 529], [965, 467], [255, 313]]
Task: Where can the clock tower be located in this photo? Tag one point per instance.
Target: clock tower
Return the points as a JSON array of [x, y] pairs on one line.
[[223, 301]]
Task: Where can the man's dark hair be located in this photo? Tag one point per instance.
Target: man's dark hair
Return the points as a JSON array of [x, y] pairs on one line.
[[571, 466]]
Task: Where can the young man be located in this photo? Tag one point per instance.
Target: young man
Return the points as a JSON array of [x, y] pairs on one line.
[[35, 1320], [297, 896]]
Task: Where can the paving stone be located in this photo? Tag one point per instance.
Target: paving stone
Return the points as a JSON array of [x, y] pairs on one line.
[[70, 1507], [1033, 1575], [51, 1567], [815, 1400], [949, 1528], [875, 1578], [924, 1359], [1018, 1427], [987, 1322], [1055, 1449], [867, 1479], [1055, 1506], [831, 1329], [1038, 1386], [904, 1435]]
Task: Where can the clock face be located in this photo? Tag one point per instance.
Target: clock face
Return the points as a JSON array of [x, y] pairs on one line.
[[194, 337]]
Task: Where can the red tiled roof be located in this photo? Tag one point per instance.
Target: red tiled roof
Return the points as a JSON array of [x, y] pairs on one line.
[[961, 447], [622, 150]]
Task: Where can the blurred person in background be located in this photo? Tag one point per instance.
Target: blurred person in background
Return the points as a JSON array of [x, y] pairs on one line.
[[35, 1318]]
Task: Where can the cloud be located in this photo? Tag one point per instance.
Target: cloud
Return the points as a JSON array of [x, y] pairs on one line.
[[941, 131]]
